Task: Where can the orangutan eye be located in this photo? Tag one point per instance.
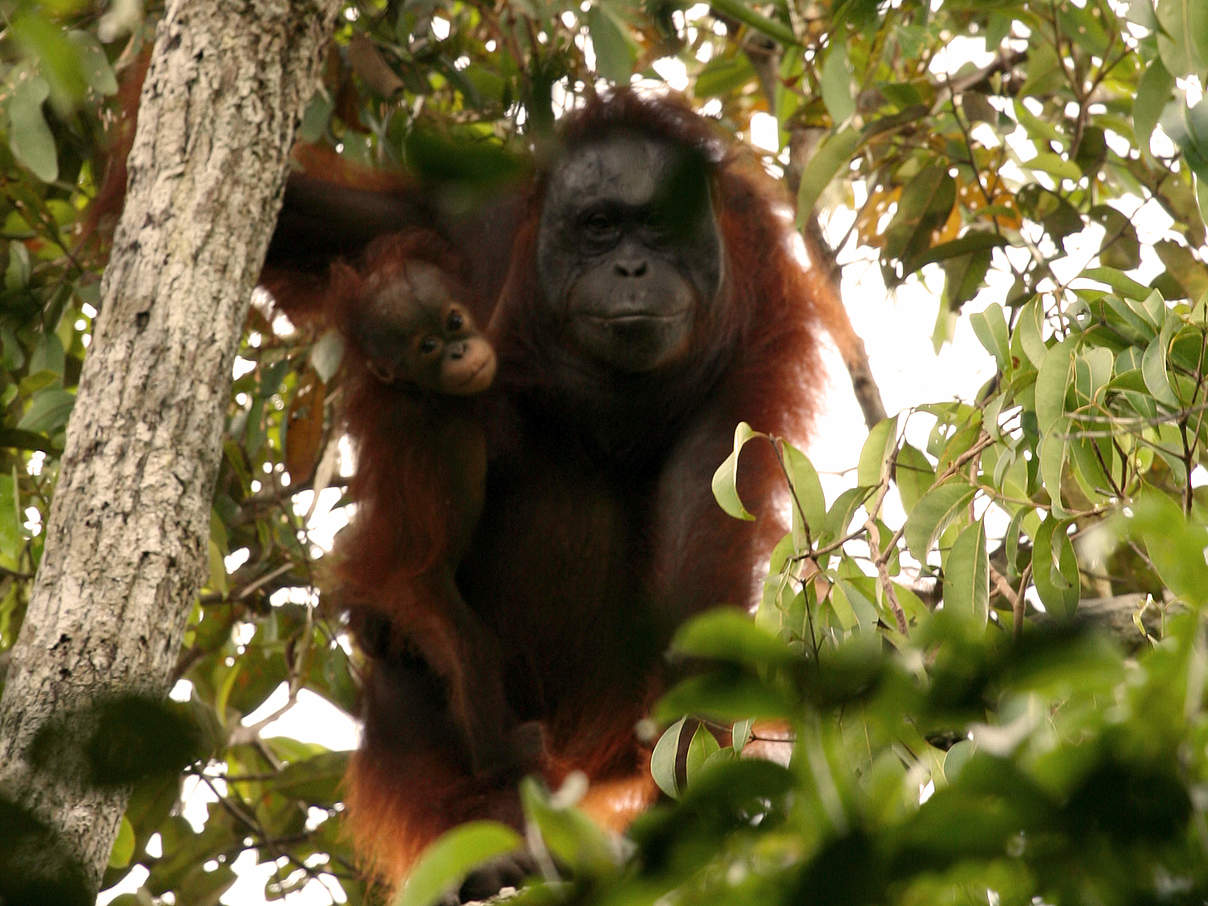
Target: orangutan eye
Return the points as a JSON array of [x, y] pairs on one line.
[[456, 322], [598, 223]]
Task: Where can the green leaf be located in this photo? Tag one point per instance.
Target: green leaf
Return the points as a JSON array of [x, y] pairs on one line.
[[913, 474], [615, 54], [729, 634], [664, 757], [1052, 381], [1153, 94], [1201, 196], [964, 278], [48, 412], [123, 846], [1055, 213], [1128, 316], [739, 10], [1091, 152], [852, 607], [945, 322], [1055, 166], [57, 58], [1142, 13], [727, 696], [1028, 332], [932, 515], [956, 758], [25, 440], [1123, 284], [1081, 26], [832, 156], [806, 489], [1131, 386], [1039, 129], [16, 276], [93, 62], [840, 515], [1087, 457], [1153, 309], [956, 433], [1120, 249], [1051, 451], [990, 326], [315, 778], [967, 575], [460, 159], [28, 135], [1154, 368], [836, 82], [722, 75], [925, 203], [973, 241], [1188, 128], [1175, 546], [1092, 372], [1055, 568], [217, 578], [878, 448], [11, 539], [700, 749], [1011, 543], [977, 108], [741, 733], [316, 116], [48, 356], [445, 864], [725, 479], [1003, 460], [572, 838], [1183, 36]]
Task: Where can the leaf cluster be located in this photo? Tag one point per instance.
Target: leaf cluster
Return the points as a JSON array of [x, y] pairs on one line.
[[921, 635]]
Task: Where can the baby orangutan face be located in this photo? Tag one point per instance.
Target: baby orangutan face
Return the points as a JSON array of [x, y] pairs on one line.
[[417, 332]]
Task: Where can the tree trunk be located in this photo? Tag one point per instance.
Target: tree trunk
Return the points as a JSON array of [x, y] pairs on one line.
[[126, 540]]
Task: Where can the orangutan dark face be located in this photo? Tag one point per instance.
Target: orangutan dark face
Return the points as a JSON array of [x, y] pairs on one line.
[[629, 251]]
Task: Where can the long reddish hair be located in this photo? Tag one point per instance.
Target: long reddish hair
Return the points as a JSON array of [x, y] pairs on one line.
[[402, 527]]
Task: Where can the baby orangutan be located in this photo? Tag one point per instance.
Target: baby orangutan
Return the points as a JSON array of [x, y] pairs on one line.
[[416, 334], [416, 370]]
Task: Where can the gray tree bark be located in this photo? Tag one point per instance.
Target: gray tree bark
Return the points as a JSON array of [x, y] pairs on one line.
[[126, 540]]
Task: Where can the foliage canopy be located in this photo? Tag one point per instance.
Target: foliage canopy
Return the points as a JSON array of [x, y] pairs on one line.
[[1011, 153]]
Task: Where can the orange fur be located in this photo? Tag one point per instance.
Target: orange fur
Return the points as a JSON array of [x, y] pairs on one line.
[[589, 551]]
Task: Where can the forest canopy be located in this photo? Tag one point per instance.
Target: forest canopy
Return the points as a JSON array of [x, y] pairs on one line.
[[989, 645]]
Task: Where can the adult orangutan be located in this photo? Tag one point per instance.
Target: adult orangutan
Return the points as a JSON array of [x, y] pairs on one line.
[[644, 296]]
